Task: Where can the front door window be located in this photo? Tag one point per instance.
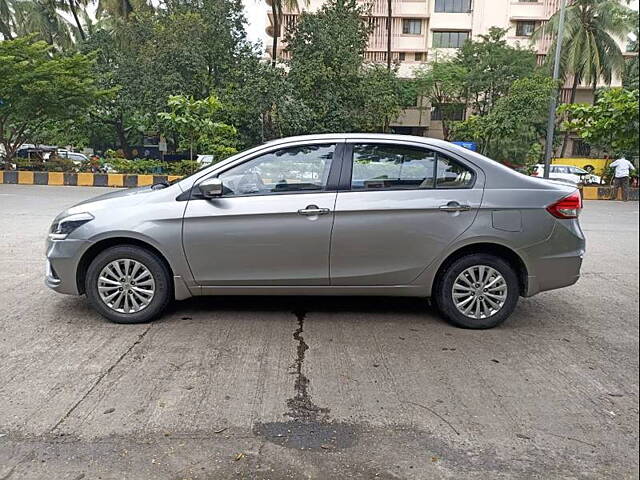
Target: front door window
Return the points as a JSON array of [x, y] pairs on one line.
[[295, 169]]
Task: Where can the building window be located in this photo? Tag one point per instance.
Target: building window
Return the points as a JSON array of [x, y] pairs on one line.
[[411, 26], [449, 39], [453, 6], [454, 112], [418, 56], [525, 28], [402, 56]]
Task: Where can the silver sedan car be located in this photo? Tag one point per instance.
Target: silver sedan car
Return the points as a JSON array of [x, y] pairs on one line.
[[343, 214]]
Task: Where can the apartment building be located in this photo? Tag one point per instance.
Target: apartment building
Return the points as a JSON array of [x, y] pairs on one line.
[[423, 30]]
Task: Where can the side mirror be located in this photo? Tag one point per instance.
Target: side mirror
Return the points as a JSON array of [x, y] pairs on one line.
[[210, 188]]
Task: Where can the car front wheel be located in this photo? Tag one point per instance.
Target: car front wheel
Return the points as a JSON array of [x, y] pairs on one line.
[[477, 291], [128, 284]]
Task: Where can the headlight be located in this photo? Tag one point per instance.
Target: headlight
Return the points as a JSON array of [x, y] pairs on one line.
[[63, 227]]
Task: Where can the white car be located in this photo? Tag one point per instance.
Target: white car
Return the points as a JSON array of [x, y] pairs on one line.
[[76, 157], [204, 160], [568, 173]]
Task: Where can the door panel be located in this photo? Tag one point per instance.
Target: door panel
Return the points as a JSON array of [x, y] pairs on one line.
[[402, 212], [259, 240], [389, 237], [272, 224]]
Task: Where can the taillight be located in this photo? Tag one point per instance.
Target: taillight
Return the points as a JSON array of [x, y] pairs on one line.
[[567, 207], [534, 173]]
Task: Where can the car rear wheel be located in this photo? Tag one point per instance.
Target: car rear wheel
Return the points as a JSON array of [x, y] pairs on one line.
[[477, 291], [128, 284]]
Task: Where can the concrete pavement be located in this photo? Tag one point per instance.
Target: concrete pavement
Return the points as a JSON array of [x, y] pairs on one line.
[[276, 388]]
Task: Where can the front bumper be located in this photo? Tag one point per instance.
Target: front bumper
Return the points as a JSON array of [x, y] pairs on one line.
[[63, 258]]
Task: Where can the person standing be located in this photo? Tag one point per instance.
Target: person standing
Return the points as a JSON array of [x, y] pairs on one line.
[[623, 168]]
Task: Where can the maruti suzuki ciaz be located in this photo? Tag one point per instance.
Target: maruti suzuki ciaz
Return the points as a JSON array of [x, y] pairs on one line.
[[343, 214]]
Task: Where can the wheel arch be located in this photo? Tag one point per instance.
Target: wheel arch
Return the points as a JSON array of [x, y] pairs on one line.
[[496, 249], [94, 250]]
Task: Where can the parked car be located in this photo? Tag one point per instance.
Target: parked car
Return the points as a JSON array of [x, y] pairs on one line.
[[569, 173], [76, 157], [343, 214], [204, 160]]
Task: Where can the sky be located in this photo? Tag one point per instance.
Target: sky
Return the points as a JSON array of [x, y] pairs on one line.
[[256, 12]]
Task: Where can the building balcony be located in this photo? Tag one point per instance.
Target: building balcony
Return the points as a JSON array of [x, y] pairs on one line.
[[527, 11]]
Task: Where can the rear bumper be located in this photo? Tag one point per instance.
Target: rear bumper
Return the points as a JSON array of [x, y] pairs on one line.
[[63, 257], [556, 262]]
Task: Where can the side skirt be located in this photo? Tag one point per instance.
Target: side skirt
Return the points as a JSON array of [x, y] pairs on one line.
[[383, 290]]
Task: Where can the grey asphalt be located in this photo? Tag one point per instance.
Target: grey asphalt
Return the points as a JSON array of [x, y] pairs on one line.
[[275, 388]]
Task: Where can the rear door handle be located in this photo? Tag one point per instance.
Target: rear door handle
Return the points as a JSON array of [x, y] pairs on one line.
[[454, 207], [313, 210]]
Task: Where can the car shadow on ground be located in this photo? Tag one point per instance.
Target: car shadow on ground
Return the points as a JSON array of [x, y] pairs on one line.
[[412, 310], [321, 304]]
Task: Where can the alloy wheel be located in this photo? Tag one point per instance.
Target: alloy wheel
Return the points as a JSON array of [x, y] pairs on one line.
[[479, 292], [126, 285]]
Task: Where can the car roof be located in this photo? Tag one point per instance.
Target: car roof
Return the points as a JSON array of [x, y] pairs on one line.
[[365, 136]]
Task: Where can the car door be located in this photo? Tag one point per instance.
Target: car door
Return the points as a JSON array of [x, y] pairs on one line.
[[398, 207], [272, 224]]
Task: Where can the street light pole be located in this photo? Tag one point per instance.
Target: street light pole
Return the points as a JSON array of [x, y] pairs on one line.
[[551, 123]]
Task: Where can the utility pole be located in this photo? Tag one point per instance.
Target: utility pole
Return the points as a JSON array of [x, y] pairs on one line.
[[389, 19], [551, 123]]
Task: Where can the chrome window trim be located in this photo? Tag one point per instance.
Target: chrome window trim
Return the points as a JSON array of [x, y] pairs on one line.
[[348, 162], [217, 169]]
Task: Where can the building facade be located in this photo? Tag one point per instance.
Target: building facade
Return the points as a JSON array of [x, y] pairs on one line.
[[423, 30]]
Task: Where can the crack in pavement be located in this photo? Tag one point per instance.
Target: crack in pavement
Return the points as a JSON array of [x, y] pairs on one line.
[[301, 407], [309, 427], [100, 378]]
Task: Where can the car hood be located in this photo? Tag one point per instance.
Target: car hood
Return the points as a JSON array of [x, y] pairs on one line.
[[127, 192], [128, 198]]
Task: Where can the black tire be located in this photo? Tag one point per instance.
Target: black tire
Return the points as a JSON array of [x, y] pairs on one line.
[[443, 292], [161, 276]]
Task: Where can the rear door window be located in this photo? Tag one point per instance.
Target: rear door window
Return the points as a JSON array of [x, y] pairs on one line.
[[400, 167]]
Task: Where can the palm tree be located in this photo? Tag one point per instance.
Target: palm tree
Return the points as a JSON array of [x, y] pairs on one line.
[[44, 18], [389, 25], [74, 6], [121, 9], [277, 13], [590, 42], [6, 19]]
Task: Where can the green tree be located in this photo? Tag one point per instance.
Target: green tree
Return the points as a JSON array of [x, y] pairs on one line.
[[38, 87], [631, 65], [329, 87], [196, 126], [590, 50], [327, 49], [444, 84], [382, 93], [192, 48], [491, 67], [515, 125], [253, 99], [610, 124]]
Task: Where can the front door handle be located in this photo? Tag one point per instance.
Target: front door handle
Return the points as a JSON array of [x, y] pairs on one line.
[[455, 207], [313, 210]]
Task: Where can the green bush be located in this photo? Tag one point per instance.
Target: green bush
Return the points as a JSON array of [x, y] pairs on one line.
[[58, 164], [183, 168], [138, 166]]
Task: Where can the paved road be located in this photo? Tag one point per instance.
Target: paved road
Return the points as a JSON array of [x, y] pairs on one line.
[[276, 388]]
